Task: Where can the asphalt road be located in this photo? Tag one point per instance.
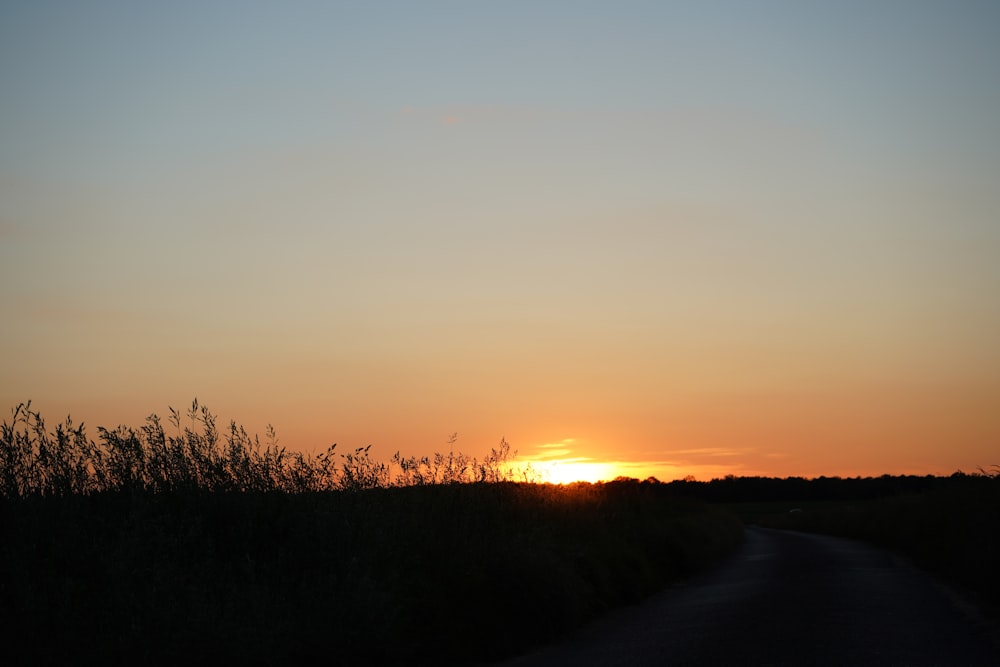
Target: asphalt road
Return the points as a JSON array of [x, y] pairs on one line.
[[788, 598]]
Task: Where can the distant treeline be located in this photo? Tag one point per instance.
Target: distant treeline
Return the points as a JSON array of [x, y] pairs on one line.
[[732, 489]]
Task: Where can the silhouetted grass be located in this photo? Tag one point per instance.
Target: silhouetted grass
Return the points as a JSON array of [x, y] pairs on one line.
[[153, 548], [194, 454]]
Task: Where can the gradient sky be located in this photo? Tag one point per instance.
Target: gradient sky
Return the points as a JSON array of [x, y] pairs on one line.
[[691, 238]]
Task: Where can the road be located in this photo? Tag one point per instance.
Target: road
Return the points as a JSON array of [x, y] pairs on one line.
[[787, 598]]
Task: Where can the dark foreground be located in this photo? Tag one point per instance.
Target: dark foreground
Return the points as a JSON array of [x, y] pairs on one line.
[[434, 574], [789, 598]]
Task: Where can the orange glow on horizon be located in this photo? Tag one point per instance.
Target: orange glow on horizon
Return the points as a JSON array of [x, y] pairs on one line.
[[575, 470]]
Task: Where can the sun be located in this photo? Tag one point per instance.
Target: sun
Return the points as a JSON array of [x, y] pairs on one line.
[[569, 471]]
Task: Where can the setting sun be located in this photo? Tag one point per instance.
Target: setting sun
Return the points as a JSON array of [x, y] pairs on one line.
[[575, 470]]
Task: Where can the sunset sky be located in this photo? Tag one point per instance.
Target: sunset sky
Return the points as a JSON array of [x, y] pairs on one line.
[[657, 238]]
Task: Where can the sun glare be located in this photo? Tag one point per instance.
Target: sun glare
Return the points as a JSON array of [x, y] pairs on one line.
[[567, 472]]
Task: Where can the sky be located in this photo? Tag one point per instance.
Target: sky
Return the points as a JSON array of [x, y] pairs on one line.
[[639, 238]]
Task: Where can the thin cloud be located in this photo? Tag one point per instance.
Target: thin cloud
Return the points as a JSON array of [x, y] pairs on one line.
[[562, 443], [547, 455], [712, 451], [552, 452], [573, 459]]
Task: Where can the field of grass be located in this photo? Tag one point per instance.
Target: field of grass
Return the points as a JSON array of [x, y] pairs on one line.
[[144, 547]]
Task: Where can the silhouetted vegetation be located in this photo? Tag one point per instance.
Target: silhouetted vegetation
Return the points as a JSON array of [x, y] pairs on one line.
[[155, 547], [37, 462], [157, 543]]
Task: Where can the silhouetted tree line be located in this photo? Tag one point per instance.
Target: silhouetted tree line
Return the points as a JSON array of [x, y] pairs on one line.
[[732, 489]]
